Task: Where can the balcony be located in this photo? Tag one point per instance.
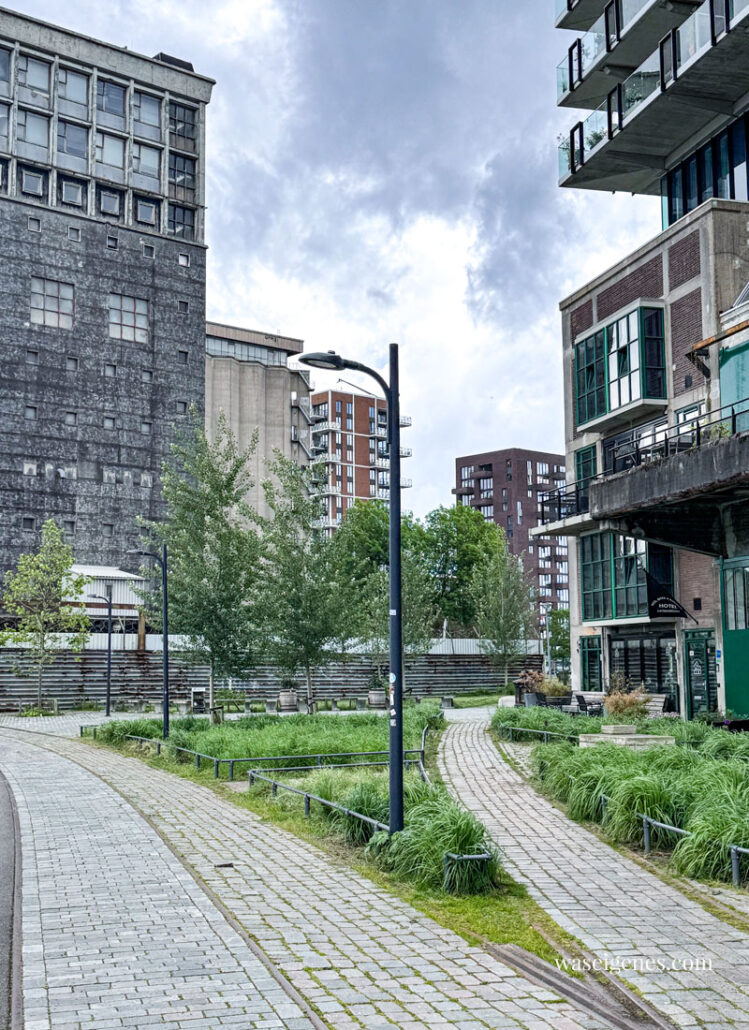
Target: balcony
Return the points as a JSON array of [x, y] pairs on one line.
[[699, 71], [379, 462], [405, 452], [406, 484], [576, 14], [328, 426], [405, 421], [613, 48]]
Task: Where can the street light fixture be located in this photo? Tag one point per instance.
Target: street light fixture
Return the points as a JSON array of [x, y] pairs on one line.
[[332, 362], [161, 560], [108, 601]]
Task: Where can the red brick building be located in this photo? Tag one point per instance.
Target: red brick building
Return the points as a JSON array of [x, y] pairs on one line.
[[350, 436], [505, 487]]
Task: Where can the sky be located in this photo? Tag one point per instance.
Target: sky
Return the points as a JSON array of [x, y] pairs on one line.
[[386, 170]]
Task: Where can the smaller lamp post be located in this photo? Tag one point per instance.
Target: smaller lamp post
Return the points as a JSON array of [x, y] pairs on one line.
[[108, 601], [160, 559]]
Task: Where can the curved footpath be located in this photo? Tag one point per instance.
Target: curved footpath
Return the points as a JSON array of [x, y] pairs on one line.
[[621, 912], [117, 933]]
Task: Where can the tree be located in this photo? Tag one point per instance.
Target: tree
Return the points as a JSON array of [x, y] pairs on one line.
[[213, 551], [456, 541], [38, 597], [501, 596], [559, 643], [303, 604]]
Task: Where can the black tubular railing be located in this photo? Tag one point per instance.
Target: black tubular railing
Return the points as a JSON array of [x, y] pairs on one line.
[[574, 499]]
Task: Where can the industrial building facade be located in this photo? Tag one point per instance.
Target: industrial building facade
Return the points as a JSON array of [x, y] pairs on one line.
[[103, 282], [505, 486], [656, 378]]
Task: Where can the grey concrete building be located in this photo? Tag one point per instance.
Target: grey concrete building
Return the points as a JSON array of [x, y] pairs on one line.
[[247, 379], [102, 280], [656, 373]]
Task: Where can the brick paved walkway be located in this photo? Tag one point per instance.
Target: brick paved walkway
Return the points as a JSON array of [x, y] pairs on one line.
[[116, 933], [362, 957], [617, 909]]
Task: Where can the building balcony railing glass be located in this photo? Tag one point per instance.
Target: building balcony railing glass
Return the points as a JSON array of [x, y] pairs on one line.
[[705, 28], [633, 450], [601, 38]]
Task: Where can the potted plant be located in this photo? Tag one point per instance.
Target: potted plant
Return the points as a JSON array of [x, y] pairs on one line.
[[287, 697], [377, 694]]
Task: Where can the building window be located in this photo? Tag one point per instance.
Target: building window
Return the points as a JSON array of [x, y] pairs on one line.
[[4, 65], [72, 139], [466, 475], [110, 98], [183, 123], [110, 371], [183, 260], [146, 479], [33, 74], [595, 575], [182, 357], [486, 487], [146, 160], [110, 150], [51, 303], [33, 128], [72, 86], [71, 418], [28, 522], [32, 357], [71, 364], [112, 242], [148, 250], [508, 469], [110, 203], [182, 221], [145, 428], [590, 661], [181, 407], [34, 224], [542, 470], [70, 193], [109, 422], [107, 529], [586, 464], [32, 183], [30, 412], [4, 124], [146, 375], [128, 318], [29, 468], [487, 510], [146, 211], [590, 378], [184, 306], [510, 527], [736, 598], [68, 527], [181, 173], [147, 109], [630, 587], [505, 504]]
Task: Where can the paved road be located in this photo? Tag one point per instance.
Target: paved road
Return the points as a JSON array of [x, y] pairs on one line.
[[362, 957], [620, 911], [7, 883]]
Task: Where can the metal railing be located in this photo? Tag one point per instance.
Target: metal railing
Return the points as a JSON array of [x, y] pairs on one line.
[[722, 423]]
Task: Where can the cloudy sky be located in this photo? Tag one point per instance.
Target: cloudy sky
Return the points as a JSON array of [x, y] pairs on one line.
[[386, 170]]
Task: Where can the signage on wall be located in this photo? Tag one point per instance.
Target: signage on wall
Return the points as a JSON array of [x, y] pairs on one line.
[[662, 604]]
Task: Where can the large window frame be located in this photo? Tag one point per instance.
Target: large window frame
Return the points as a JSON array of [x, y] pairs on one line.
[[591, 666], [613, 585]]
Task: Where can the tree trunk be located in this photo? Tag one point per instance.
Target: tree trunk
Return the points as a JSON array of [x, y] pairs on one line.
[[309, 686], [210, 685], [39, 686]]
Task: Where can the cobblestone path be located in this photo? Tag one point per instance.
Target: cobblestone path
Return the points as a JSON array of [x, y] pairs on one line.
[[621, 912], [362, 957], [116, 933]]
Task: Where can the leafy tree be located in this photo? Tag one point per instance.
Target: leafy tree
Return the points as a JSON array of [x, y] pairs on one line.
[[501, 597], [418, 608], [303, 603], [559, 643], [38, 597], [213, 551], [455, 542]]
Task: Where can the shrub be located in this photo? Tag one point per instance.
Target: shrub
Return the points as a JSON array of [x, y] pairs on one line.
[[635, 796], [630, 705], [552, 686]]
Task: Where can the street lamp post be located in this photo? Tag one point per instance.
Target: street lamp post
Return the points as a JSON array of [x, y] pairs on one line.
[[161, 560], [108, 602], [330, 361], [548, 608]]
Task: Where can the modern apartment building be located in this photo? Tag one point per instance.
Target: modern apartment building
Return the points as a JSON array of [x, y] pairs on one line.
[[103, 280], [506, 486], [247, 379], [349, 436], [655, 355]]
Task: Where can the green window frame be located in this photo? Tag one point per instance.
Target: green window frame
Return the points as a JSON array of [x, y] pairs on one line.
[[612, 575], [586, 463], [590, 663], [630, 585], [736, 597], [619, 364], [595, 576]]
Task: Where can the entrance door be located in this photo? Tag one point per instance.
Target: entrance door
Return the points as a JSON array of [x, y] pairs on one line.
[[702, 684]]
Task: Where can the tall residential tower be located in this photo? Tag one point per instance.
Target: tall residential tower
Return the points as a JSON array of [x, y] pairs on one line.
[[102, 171]]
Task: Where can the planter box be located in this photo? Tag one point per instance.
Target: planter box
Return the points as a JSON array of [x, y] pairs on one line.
[[636, 741], [618, 730]]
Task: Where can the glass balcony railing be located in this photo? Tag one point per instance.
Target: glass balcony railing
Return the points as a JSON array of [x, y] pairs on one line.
[[610, 26], [690, 41]]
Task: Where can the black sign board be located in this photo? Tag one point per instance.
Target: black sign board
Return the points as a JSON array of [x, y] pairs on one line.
[[661, 603]]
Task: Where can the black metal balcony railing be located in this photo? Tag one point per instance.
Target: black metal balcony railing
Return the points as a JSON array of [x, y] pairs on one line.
[[574, 499]]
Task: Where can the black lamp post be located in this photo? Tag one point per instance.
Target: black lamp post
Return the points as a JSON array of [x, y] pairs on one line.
[[108, 602], [330, 361], [161, 560]]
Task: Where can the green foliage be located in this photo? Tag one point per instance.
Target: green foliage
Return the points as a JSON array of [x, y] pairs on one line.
[[501, 596], [305, 604], [213, 550], [559, 628], [38, 596], [419, 612], [538, 718]]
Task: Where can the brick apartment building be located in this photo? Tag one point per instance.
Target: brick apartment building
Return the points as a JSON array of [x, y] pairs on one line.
[[505, 487], [350, 437], [656, 356]]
